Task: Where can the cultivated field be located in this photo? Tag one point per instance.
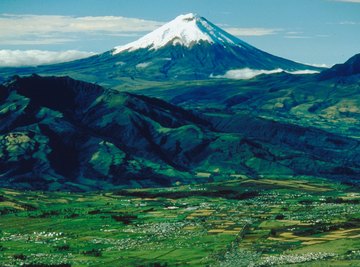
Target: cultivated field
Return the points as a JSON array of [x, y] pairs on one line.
[[242, 222]]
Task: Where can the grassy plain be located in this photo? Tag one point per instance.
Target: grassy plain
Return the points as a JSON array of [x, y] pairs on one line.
[[304, 221]]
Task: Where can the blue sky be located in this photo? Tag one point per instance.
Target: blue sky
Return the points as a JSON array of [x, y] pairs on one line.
[[308, 31]]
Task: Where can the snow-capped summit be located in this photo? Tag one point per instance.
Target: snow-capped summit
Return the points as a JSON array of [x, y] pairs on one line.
[[187, 48], [191, 47], [186, 30]]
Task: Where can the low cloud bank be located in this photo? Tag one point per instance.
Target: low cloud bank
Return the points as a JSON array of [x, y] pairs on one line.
[[246, 73], [22, 58]]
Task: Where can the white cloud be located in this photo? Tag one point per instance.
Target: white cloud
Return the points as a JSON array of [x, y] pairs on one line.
[[246, 73], [348, 22], [46, 29], [348, 1], [143, 65], [319, 65], [303, 72], [51, 29], [297, 37], [251, 31], [294, 33], [16, 58], [37, 40]]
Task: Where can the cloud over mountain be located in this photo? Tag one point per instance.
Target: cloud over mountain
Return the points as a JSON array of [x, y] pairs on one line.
[[247, 73]]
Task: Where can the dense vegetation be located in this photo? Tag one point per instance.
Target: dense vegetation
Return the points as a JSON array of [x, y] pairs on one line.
[[59, 133]]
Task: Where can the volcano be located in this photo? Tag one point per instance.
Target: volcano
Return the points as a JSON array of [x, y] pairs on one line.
[[187, 48]]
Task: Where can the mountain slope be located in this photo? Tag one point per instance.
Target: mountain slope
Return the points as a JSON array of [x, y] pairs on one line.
[[59, 133], [185, 30], [187, 48], [349, 68], [329, 100], [191, 41]]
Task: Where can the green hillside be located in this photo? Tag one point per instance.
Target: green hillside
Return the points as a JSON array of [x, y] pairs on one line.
[[61, 134]]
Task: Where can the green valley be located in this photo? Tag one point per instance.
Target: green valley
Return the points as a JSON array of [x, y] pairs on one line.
[[234, 223]]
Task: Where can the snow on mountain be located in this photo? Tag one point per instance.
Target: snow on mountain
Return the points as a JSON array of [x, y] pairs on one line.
[[185, 30], [187, 48]]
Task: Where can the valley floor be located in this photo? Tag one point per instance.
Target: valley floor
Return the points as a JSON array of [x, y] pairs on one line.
[[244, 222]]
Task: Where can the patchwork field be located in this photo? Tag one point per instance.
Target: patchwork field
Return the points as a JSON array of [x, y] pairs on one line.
[[244, 222]]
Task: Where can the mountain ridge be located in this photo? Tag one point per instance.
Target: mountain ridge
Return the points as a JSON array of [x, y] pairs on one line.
[[348, 68], [61, 134]]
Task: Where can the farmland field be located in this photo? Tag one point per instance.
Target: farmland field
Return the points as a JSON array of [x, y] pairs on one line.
[[243, 222]]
